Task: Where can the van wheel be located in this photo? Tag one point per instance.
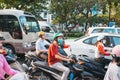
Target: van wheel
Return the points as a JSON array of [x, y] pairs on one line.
[[10, 48]]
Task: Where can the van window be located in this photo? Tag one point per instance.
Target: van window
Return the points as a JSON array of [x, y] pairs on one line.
[[9, 23], [32, 23], [46, 29]]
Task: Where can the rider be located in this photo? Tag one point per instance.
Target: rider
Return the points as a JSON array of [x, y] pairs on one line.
[[55, 58], [41, 50], [100, 51], [4, 66], [113, 71]]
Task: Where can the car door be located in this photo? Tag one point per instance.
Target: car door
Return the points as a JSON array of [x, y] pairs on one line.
[[85, 46]]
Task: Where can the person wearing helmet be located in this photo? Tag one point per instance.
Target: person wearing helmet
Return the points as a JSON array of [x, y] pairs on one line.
[[55, 58], [41, 50], [113, 71], [100, 51], [4, 66]]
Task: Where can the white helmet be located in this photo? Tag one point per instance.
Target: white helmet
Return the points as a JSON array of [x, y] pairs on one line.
[[100, 37], [116, 51]]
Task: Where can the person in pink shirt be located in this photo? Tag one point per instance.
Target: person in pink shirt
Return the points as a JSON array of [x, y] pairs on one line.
[[4, 66]]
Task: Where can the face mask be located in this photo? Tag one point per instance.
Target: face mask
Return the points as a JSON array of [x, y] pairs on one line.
[[60, 41], [104, 41]]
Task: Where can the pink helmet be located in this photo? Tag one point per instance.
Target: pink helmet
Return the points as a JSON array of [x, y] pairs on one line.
[[116, 50]]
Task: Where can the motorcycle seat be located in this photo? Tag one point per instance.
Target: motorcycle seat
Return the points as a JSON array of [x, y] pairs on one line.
[[89, 59], [92, 60], [44, 65]]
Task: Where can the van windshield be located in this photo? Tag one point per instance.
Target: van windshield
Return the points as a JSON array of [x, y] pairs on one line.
[[32, 23]]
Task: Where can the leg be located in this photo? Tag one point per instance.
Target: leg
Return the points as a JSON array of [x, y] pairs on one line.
[[62, 68]]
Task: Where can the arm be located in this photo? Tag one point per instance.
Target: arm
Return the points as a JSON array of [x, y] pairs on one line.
[[102, 51], [7, 68], [39, 49], [61, 58]]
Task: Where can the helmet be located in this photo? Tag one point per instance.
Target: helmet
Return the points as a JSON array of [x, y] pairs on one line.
[[116, 51], [41, 33], [57, 34], [100, 38]]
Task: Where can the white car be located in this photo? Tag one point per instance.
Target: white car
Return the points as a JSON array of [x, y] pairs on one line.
[[112, 30], [85, 45]]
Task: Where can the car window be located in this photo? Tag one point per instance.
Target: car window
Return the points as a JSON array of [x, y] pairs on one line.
[[109, 30], [91, 40], [116, 41], [97, 30], [118, 30], [108, 41], [103, 30]]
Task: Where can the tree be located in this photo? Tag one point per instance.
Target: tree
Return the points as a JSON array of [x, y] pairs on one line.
[[33, 6], [70, 12]]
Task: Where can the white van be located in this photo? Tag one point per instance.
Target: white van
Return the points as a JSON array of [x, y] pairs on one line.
[[19, 29], [48, 29]]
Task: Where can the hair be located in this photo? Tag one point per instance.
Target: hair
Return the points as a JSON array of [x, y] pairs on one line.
[[116, 59]]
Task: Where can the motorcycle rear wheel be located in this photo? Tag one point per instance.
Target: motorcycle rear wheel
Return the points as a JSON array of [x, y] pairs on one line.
[[87, 77], [41, 76]]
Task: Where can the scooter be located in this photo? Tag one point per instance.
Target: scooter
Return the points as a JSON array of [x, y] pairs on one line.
[[41, 71], [93, 67], [12, 60]]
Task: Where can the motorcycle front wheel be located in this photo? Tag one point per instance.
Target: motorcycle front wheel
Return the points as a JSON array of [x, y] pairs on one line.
[[87, 77], [41, 76]]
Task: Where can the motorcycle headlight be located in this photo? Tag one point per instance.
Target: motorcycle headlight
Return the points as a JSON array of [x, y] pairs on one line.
[[27, 45]]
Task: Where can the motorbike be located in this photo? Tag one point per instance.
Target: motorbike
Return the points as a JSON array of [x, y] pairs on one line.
[[93, 67], [40, 70], [12, 60], [14, 64]]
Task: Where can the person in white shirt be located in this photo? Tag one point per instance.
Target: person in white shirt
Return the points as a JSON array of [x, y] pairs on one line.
[[113, 71], [41, 43]]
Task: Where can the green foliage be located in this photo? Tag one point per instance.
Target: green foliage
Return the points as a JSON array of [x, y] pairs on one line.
[[70, 11], [74, 34], [33, 6]]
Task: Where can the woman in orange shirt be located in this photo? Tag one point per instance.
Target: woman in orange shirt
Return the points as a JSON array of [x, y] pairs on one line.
[[100, 51]]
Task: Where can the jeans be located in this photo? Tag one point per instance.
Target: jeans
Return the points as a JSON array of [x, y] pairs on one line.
[[59, 66]]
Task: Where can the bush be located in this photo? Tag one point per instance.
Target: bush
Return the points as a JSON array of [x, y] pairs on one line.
[[73, 34]]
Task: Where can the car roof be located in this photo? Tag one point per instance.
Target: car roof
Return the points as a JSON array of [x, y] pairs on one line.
[[100, 27], [107, 34], [96, 34]]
